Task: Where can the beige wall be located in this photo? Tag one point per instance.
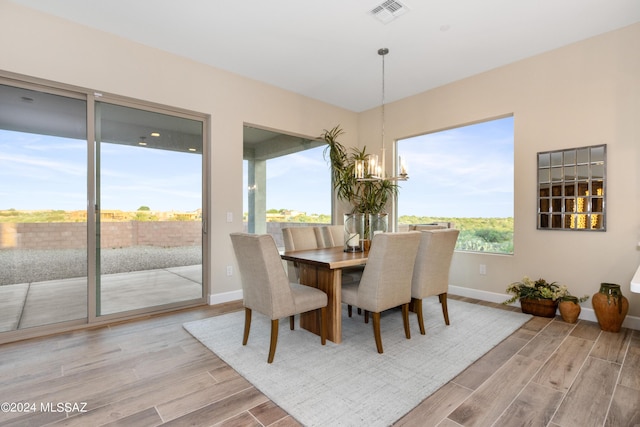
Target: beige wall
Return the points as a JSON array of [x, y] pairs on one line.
[[587, 93], [584, 94]]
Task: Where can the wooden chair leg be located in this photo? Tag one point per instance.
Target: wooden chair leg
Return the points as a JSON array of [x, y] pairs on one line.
[[323, 325], [247, 325], [445, 311], [292, 322], [274, 340], [405, 320], [376, 331], [359, 310], [417, 307], [366, 316], [349, 310]]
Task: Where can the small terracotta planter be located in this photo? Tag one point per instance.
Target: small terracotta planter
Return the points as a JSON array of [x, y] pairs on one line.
[[569, 309]]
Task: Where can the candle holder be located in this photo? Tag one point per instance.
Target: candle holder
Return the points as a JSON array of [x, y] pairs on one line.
[[378, 223], [354, 232]]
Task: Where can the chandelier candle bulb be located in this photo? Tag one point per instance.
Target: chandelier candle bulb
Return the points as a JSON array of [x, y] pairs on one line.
[[359, 169], [373, 165], [403, 166]]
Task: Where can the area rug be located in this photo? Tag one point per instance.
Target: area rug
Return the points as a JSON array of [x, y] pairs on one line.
[[350, 384]]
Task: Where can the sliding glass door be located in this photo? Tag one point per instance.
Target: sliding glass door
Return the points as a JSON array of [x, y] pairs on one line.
[[148, 208], [101, 208], [43, 210]]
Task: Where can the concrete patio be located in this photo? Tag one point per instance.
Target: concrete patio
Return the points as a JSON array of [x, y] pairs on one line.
[[26, 305]]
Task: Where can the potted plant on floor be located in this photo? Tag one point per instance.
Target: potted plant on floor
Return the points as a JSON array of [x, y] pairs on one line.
[[367, 198], [539, 297]]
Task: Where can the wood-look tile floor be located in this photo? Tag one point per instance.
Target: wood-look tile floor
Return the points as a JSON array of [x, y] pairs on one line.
[[152, 372]]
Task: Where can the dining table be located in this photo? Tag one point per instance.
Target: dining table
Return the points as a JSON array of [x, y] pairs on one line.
[[322, 269]]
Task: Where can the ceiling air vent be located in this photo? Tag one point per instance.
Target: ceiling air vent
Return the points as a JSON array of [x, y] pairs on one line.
[[388, 11]]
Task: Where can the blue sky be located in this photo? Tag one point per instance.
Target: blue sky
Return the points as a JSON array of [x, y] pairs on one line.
[[299, 181], [461, 172], [40, 172], [43, 172]]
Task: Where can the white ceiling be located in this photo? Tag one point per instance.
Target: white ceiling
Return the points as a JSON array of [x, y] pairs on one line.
[[327, 49]]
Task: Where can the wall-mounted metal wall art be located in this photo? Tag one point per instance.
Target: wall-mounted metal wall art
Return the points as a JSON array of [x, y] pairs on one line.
[[572, 189]]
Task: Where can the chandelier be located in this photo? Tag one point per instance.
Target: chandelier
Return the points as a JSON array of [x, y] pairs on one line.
[[372, 166]]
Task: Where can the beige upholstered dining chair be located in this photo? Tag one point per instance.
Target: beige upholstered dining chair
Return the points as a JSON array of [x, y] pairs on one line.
[[329, 236], [267, 290], [298, 239], [386, 280], [302, 238], [431, 270], [423, 227]]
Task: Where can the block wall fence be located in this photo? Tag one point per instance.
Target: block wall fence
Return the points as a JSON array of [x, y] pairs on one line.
[[73, 235]]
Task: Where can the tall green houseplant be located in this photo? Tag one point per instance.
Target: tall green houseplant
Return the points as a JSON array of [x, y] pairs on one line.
[[367, 197]]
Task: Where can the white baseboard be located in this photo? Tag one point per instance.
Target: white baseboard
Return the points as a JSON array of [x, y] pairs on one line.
[[587, 313], [225, 297]]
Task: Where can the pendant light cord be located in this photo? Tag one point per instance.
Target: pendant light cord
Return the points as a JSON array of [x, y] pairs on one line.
[[382, 52]]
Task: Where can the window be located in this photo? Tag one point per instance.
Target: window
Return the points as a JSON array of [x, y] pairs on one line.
[[462, 175], [287, 181]]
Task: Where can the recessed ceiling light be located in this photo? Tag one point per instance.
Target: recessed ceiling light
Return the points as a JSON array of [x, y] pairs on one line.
[[192, 149], [156, 134]]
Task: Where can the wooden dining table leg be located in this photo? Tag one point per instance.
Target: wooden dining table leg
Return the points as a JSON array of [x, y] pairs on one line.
[[330, 282]]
